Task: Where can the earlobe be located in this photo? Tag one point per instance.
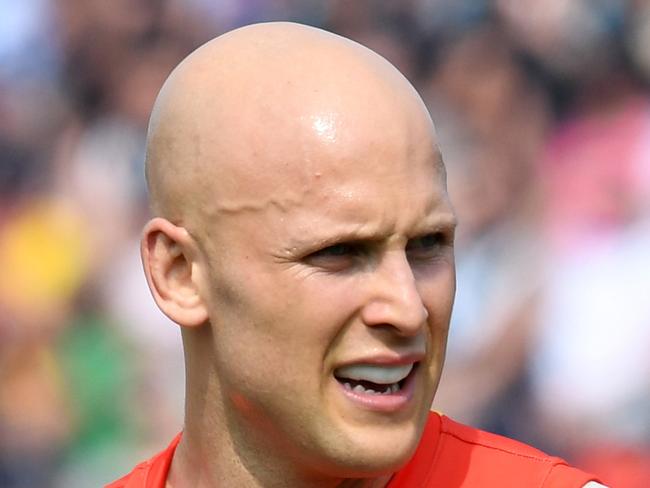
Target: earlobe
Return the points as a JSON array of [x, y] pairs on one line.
[[171, 269]]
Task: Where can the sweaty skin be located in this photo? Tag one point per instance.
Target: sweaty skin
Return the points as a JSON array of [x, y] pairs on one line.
[[301, 224]]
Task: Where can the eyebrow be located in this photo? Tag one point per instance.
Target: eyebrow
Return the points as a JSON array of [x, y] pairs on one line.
[[359, 233]]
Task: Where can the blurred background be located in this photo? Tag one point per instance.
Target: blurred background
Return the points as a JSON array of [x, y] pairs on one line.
[[543, 112]]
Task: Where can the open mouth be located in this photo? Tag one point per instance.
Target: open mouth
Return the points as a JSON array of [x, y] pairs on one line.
[[374, 379]]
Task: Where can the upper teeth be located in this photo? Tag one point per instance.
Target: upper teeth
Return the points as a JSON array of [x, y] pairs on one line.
[[381, 374]]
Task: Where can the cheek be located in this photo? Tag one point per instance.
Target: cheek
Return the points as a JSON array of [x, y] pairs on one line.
[[277, 333], [438, 296]]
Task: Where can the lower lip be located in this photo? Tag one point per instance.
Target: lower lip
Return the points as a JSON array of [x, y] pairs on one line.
[[384, 403]]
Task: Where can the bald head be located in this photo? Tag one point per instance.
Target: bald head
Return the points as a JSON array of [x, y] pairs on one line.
[[267, 100]]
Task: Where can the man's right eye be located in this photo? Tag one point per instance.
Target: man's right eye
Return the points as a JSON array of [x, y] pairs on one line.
[[338, 250]]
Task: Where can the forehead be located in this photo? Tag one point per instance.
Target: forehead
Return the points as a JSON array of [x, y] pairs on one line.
[[368, 193], [324, 148], [374, 208], [336, 145]]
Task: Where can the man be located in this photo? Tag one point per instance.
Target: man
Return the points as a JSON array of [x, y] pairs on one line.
[[303, 240]]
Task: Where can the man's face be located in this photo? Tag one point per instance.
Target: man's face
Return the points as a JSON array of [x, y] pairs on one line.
[[331, 282]]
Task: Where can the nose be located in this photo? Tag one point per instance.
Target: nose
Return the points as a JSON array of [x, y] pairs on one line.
[[394, 299]]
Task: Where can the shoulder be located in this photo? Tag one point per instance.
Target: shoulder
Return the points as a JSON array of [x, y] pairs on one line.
[[456, 455], [506, 461]]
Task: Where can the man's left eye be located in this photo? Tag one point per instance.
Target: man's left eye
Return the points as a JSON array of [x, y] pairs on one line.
[[426, 245]]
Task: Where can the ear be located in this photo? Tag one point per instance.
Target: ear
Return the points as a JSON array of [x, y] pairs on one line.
[[169, 257]]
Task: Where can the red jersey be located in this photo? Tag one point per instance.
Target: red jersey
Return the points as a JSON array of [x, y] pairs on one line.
[[449, 455]]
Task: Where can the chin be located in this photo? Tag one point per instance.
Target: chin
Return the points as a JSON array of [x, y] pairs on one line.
[[373, 451]]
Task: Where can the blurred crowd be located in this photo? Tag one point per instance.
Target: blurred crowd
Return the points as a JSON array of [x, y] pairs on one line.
[[543, 113]]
